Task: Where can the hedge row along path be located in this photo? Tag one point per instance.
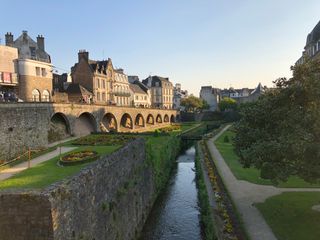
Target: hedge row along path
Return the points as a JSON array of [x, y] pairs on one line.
[[245, 195], [7, 173]]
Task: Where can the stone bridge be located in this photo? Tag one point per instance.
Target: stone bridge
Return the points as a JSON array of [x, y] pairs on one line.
[[34, 125], [82, 118]]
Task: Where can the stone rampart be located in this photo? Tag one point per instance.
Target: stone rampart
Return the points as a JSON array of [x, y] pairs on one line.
[[109, 199]]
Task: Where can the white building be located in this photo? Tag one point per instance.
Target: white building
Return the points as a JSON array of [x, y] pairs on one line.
[[121, 88], [140, 95], [178, 95]]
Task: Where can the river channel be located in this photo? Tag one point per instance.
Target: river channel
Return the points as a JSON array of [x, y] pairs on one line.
[[175, 214]]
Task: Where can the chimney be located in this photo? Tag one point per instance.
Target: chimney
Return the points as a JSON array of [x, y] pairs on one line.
[[40, 42], [25, 36], [9, 39], [83, 54]]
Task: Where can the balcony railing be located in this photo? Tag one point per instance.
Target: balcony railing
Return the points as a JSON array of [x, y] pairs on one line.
[[121, 94]]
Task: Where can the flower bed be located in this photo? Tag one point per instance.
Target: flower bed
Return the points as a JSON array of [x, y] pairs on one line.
[[103, 139], [78, 157], [171, 128]]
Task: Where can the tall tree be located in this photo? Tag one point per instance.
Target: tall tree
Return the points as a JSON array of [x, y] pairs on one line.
[[280, 133], [192, 103], [227, 104]]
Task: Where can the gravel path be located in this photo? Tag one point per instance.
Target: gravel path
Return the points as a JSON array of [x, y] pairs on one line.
[[245, 194], [7, 173]]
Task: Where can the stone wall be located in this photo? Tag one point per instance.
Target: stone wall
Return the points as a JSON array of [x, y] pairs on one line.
[[21, 128], [109, 199]]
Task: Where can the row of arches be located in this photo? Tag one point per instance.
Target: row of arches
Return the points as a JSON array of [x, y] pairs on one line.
[[86, 122]]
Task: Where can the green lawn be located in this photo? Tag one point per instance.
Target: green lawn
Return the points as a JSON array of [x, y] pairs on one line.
[[49, 172], [290, 215], [251, 174]]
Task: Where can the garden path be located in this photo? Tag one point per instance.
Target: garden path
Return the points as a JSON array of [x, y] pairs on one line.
[[244, 194], [7, 173]]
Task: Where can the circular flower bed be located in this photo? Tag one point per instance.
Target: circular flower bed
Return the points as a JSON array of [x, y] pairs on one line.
[[78, 157]]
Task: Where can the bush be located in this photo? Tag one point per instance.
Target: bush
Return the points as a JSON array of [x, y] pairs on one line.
[[226, 139], [156, 133]]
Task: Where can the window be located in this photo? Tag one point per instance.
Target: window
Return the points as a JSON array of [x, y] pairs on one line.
[[137, 97], [103, 84], [35, 95], [98, 96], [45, 96], [103, 96], [43, 72], [98, 83], [145, 97], [37, 71]]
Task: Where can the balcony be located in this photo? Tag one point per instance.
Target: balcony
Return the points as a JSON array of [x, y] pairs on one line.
[[121, 94]]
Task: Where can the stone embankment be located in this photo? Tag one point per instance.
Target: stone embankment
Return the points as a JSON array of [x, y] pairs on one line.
[[109, 199]]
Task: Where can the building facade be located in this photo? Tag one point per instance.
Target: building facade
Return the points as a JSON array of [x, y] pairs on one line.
[[34, 67], [161, 90], [211, 96], [121, 90], [8, 72], [95, 76]]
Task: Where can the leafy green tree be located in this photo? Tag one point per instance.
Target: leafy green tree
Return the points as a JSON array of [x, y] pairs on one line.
[[205, 105], [280, 133], [227, 104], [192, 103]]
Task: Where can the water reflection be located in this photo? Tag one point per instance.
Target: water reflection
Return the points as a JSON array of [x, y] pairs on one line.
[[176, 214]]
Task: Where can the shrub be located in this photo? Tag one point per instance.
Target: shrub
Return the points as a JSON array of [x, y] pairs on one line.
[[267, 171], [226, 139]]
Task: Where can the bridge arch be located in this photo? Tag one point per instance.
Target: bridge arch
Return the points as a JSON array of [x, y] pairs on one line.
[[166, 118], [159, 118], [85, 124], [109, 123], [172, 119], [150, 119], [59, 127], [126, 121], [139, 121]]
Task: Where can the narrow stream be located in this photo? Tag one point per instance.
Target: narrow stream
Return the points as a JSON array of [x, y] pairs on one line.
[[175, 214]]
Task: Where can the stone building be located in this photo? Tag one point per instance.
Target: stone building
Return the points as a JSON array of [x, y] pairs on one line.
[[178, 95], [121, 90], [312, 47], [161, 91], [244, 94], [78, 94], [8, 71], [140, 95], [96, 76], [34, 67], [211, 96]]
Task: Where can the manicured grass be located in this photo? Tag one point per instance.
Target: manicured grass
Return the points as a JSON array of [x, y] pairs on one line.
[[290, 215], [252, 174], [49, 172]]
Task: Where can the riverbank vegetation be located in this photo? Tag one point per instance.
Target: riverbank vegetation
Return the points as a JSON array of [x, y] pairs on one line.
[[206, 219]]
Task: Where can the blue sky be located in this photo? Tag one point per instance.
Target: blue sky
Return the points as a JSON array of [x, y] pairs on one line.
[[222, 43]]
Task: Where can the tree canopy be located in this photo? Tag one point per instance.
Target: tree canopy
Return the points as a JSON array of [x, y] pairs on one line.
[[227, 104], [193, 103], [280, 133]]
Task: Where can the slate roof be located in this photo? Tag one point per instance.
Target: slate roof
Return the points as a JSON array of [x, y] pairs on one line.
[[76, 88], [154, 80], [314, 35], [136, 88]]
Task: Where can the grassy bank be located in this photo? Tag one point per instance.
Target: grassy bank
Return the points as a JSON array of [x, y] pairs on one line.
[[251, 174], [291, 217], [49, 172], [203, 198]]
